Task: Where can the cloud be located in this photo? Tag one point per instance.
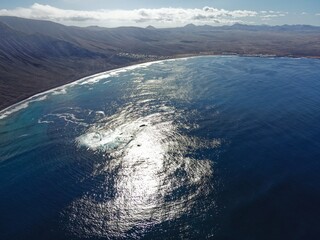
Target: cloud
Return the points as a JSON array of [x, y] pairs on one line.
[[158, 16]]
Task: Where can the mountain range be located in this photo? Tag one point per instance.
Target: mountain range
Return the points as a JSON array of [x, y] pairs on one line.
[[37, 55]]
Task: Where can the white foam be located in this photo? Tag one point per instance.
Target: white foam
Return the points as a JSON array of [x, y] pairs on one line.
[[40, 99], [104, 140], [95, 79], [13, 109], [110, 139], [59, 91], [43, 121], [100, 113], [21, 105], [107, 82], [67, 117]]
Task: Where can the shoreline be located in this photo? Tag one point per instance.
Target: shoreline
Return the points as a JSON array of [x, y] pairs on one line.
[[137, 65]]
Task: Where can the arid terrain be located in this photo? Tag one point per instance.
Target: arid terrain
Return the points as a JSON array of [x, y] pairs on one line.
[[38, 55]]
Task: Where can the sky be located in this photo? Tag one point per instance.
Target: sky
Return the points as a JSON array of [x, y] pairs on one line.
[[166, 13]]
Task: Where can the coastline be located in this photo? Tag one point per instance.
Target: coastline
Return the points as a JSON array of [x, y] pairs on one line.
[[15, 107], [133, 65]]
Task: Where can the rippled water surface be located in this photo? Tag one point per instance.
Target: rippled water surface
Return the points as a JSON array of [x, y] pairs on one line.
[[198, 148]]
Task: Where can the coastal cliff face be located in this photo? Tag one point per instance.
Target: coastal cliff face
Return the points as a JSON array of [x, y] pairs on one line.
[[38, 55]]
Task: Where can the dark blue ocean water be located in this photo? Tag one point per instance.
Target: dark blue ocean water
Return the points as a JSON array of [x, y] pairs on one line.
[[198, 148]]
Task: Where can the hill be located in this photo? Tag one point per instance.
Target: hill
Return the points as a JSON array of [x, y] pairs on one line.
[[38, 55]]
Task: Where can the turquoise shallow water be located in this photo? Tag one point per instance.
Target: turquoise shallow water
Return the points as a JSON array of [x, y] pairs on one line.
[[197, 148]]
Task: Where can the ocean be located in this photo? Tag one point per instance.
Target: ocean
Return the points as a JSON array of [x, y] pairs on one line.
[[212, 147]]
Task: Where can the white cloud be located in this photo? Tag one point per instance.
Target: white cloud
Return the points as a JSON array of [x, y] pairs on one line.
[[161, 17]]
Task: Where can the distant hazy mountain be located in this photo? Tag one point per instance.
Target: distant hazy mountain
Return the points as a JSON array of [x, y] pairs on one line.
[[289, 28], [36, 55], [150, 27]]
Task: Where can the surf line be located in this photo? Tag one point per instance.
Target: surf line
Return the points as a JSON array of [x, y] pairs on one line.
[[16, 107]]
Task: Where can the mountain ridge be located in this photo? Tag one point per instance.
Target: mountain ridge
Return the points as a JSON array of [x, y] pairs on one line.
[[36, 55]]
